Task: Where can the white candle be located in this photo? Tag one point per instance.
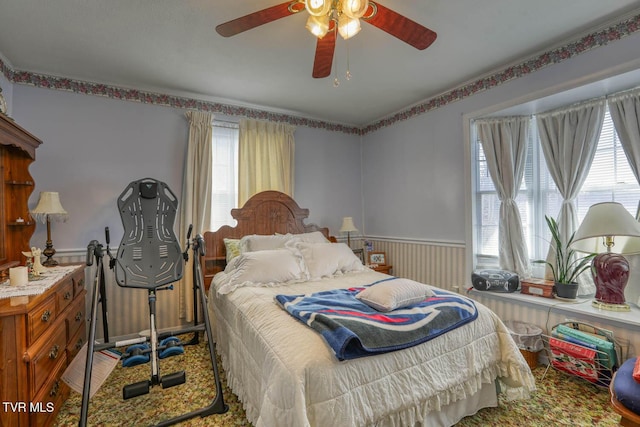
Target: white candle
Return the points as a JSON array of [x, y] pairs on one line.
[[18, 276]]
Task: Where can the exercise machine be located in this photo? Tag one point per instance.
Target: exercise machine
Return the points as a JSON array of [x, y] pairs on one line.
[[149, 257]]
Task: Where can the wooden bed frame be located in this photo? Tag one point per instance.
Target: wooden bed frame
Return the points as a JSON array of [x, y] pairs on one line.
[[265, 213]]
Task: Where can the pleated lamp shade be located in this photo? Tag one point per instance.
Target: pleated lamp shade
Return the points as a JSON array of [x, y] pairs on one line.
[[49, 205]]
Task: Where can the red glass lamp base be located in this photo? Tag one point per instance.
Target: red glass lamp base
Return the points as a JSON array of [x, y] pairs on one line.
[[610, 275]]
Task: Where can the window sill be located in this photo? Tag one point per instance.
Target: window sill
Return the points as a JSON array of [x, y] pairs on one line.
[[582, 307]]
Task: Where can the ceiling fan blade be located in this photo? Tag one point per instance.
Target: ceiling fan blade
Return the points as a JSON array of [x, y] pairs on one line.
[[261, 17], [400, 27], [324, 55]]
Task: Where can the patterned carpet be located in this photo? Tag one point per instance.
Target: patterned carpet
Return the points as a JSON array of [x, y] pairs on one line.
[[561, 400]]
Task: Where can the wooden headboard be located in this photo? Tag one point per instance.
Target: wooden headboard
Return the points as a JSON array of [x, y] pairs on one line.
[[265, 213]]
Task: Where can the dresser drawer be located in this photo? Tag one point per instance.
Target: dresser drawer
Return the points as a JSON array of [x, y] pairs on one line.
[[75, 316], [44, 355], [76, 342], [41, 318], [64, 296], [50, 399], [78, 282]]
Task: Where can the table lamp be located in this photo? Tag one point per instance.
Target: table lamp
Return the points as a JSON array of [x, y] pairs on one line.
[[348, 227], [611, 231], [48, 208]]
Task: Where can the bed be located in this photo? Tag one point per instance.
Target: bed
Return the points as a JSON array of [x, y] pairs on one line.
[[285, 373]]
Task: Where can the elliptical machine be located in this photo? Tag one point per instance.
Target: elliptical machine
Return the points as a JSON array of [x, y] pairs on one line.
[[149, 257]]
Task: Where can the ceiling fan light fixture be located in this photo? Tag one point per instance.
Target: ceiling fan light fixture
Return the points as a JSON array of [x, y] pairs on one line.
[[318, 7], [318, 25], [355, 9], [348, 27], [330, 21]]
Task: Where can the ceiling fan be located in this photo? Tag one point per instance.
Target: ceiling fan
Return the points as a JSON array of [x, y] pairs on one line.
[[328, 17]]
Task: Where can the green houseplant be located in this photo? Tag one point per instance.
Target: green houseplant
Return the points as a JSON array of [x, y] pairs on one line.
[[567, 266]]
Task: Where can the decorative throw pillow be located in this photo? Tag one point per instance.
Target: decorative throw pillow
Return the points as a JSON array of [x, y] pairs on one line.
[[394, 294], [232, 248], [328, 259]]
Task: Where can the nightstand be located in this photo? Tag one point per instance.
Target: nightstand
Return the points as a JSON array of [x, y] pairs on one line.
[[386, 269]]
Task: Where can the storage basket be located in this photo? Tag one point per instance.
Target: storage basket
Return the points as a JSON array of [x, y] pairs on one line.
[[531, 358], [528, 338]]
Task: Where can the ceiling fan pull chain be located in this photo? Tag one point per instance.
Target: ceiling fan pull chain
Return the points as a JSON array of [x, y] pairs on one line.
[[336, 82], [348, 73]]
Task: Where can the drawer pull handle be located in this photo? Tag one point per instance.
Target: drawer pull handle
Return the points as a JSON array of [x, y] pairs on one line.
[[55, 389], [46, 316], [67, 296], [53, 354], [79, 344], [78, 316], [81, 283]]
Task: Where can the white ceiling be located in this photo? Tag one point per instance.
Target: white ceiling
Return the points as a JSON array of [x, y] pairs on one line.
[[171, 47]]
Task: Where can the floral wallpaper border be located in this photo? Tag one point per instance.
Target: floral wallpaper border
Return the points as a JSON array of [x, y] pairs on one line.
[[593, 40]]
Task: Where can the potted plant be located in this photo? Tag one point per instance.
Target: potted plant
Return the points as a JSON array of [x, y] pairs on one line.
[[567, 266]]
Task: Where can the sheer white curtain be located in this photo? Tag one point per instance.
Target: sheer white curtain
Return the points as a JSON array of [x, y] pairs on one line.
[[504, 142], [569, 138], [195, 206], [625, 113], [266, 158]]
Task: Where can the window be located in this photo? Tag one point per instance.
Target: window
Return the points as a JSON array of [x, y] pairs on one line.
[[610, 179], [224, 175]]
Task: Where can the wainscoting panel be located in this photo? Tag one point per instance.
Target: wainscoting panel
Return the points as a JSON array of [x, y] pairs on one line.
[[508, 310], [441, 265]]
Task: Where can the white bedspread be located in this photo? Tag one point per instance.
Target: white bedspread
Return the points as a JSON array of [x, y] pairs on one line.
[[286, 375]]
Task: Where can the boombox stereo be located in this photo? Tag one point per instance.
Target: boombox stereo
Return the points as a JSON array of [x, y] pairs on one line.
[[495, 280]]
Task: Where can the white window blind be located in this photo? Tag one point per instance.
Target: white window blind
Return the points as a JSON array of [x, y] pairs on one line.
[[224, 173]]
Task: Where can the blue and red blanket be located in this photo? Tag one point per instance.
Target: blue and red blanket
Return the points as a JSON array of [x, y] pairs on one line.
[[353, 329]]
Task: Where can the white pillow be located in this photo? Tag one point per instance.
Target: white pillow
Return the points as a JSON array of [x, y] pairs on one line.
[[393, 294], [328, 259], [313, 237], [261, 268], [257, 242]]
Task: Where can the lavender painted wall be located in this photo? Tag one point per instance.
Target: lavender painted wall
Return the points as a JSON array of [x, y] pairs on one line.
[[327, 176], [414, 182], [94, 147]]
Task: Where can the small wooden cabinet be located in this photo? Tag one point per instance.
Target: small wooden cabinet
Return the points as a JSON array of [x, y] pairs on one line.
[[386, 269], [39, 336]]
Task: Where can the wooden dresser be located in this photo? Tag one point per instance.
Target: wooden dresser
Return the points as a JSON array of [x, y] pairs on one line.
[[39, 336]]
